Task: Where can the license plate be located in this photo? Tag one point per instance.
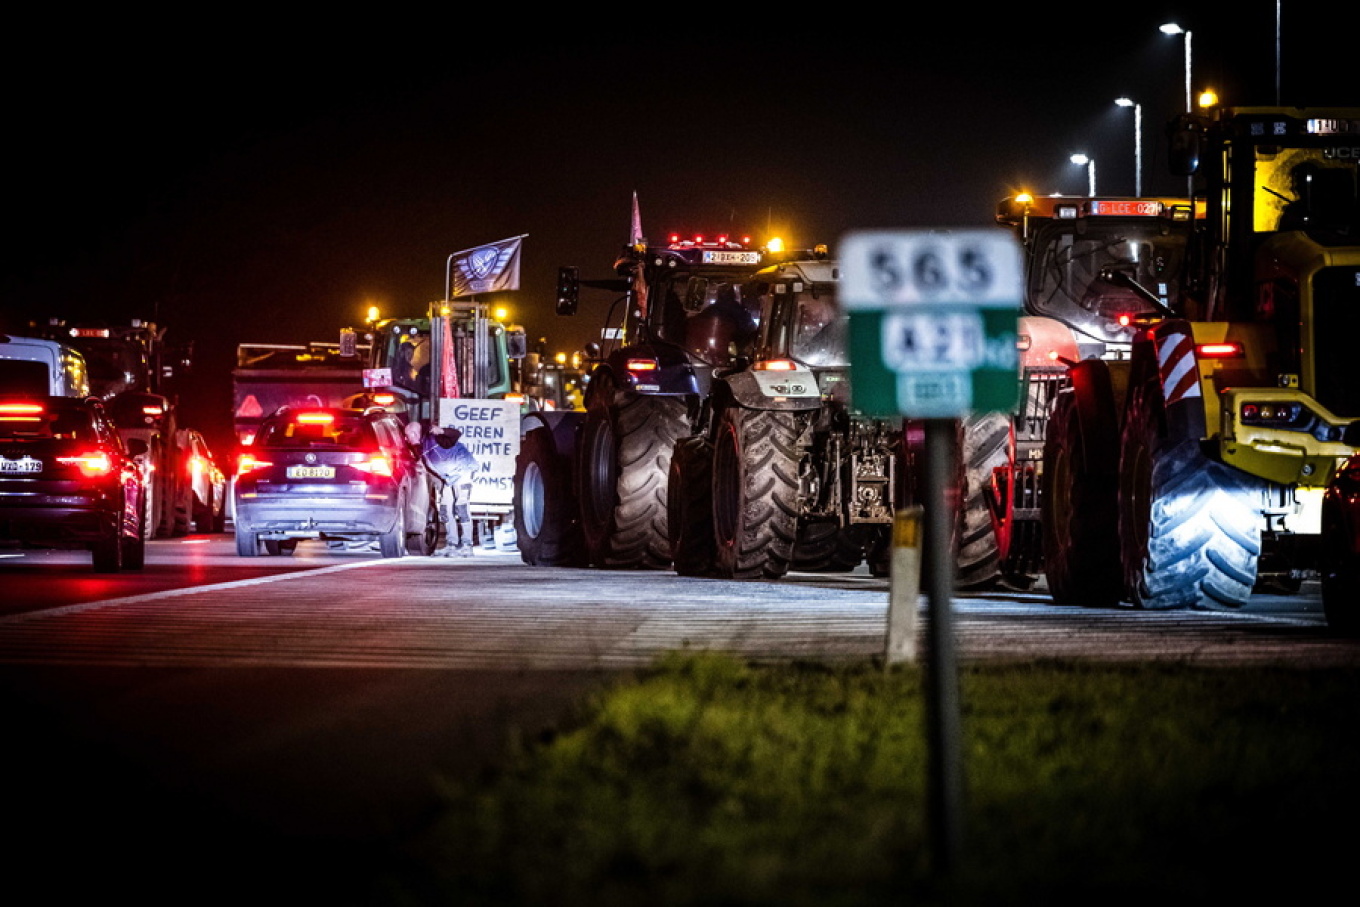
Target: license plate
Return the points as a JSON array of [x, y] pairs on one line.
[[732, 258], [311, 472], [21, 465]]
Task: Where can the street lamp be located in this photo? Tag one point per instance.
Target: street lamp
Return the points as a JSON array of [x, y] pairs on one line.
[[1090, 164], [1137, 142], [1171, 28]]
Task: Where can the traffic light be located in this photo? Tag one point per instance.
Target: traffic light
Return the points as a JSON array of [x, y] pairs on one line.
[[568, 289]]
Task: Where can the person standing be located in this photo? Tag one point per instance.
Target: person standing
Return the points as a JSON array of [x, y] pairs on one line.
[[453, 466]]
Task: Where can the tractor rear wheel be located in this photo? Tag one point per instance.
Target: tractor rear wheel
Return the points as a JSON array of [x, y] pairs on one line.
[[755, 492], [1080, 516]]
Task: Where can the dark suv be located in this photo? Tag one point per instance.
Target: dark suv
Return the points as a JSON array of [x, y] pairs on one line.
[[333, 474], [67, 481]]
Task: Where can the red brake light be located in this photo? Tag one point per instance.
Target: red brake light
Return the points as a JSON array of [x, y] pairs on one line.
[[641, 365], [1229, 350], [384, 399], [96, 463], [20, 412], [314, 418]]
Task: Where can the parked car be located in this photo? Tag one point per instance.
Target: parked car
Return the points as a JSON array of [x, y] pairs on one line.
[[68, 481], [333, 474], [208, 506]]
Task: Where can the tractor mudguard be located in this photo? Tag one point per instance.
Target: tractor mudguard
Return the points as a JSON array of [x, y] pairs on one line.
[[791, 391]]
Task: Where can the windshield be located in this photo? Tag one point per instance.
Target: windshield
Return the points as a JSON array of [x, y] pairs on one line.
[[710, 318], [1082, 272], [319, 431], [819, 334], [48, 423], [114, 367]]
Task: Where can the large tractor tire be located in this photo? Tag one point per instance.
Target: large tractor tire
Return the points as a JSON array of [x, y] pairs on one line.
[[985, 446], [1189, 526], [689, 496], [828, 548], [755, 492], [625, 458], [546, 524], [1080, 516]]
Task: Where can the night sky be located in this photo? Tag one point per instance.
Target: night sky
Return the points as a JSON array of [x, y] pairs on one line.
[[247, 181]]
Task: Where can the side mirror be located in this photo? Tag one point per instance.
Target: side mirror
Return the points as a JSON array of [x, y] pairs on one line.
[[136, 447], [516, 344]]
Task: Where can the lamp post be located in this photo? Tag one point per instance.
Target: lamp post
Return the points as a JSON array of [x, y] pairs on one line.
[[1137, 142], [1090, 164], [1171, 28]]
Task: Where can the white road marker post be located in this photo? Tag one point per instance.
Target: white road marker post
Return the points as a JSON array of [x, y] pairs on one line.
[[904, 585]]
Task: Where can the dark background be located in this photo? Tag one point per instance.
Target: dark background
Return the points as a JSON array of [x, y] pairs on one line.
[[255, 180]]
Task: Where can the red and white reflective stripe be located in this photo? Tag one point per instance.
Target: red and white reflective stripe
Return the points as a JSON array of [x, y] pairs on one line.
[[1176, 363]]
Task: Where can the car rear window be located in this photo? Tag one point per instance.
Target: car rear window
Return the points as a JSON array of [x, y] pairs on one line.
[[24, 421], [340, 432]]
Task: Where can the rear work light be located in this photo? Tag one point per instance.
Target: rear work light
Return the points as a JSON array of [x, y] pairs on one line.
[[89, 464], [777, 365]]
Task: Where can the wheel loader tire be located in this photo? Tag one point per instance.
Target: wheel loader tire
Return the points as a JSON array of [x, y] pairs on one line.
[[1080, 516], [755, 492], [828, 548], [1189, 526], [689, 496], [985, 446], [546, 523], [625, 459]]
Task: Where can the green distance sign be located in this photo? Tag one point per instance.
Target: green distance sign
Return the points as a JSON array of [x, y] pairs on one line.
[[933, 321]]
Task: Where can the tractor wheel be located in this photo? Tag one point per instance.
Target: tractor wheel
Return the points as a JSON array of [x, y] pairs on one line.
[[827, 548], [985, 446], [625, 457], [1189, 526], [755, 493], [1080, 517], [689, 502], [546, 524]]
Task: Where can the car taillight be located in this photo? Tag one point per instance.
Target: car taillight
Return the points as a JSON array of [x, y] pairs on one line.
[[248, 463], [90, 464], [377, 465]]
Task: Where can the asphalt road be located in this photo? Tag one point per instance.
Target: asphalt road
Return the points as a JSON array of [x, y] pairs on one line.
[[238, 734]]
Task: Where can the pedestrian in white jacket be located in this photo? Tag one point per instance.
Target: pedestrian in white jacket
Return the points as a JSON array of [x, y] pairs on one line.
[[453, 466]]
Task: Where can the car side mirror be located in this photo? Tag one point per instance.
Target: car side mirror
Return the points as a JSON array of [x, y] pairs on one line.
[[136, 447]]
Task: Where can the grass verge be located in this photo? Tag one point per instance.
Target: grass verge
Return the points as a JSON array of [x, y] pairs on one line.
[[714, 781]]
